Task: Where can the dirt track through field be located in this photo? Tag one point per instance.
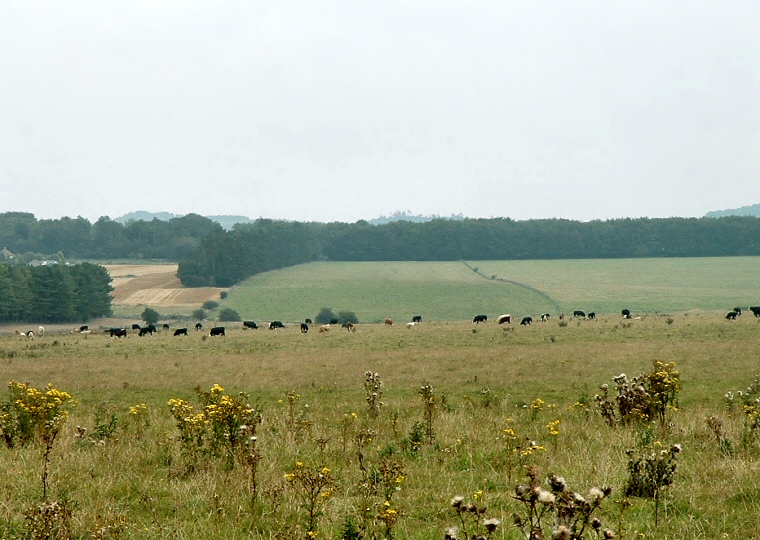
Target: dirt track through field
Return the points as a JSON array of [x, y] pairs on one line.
[[155, 285]]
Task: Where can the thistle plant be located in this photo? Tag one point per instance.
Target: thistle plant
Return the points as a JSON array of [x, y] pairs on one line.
[[651, 471], [429, 405], [558, 512], [643, 398], [373, 388], [470, 515]]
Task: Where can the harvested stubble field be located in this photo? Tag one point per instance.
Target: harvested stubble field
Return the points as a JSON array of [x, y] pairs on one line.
[[132, 474], [156, 286]]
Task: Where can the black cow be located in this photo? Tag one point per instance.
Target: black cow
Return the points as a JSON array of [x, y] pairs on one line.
[[135, 326], [731, 316], [118, 332], [308, 321], [304, 327], [580, 314], [250, 324], [626, 313], [217, 331], [84, 328], [526, 321], [480, 318], [147, 330], [417, 318], [274, 325], [198, 326], [506, 318], [738, 310], [755, 310], [180, 332], [165, 326], [545, 317], [591, 315]]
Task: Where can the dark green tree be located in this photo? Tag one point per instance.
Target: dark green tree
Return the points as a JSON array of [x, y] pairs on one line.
[[228, 315], [325, 315], [150, 316]]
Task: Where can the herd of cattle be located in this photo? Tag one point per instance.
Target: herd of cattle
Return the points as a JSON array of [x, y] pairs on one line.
[[506, 318]]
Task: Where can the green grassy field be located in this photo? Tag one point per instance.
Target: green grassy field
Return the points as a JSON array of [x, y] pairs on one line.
[[136, 477], [450, 291]]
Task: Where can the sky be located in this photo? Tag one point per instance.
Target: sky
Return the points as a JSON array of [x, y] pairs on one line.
[[347, 110]]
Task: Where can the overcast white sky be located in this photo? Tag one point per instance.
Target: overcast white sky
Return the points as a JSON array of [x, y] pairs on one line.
[[347, 110]]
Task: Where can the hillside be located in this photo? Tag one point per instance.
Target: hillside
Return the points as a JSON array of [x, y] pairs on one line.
[[751, 210]]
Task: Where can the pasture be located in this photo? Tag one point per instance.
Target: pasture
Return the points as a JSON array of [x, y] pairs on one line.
[[459, 404], [452, 291]]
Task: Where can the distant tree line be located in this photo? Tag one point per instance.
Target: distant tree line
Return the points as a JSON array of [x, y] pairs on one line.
[[55, 293], [210, 256], [77, 238], [225, 258]]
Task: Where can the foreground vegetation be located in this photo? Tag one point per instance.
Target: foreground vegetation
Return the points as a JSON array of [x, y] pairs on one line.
[[377, 433]]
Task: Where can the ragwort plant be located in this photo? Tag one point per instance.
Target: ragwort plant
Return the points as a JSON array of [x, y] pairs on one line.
[[30, 414], [314, 485], [223, 428]]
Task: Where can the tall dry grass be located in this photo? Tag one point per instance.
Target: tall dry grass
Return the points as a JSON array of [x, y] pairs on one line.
[[139, 484]]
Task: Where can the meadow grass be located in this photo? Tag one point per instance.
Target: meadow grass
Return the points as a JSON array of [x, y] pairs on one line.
[[448, 291], [142, 482]]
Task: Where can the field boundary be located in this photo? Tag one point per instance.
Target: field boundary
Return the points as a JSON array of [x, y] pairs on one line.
[[515, 283]]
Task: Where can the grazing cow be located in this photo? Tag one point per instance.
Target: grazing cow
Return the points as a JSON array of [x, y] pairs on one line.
[[324, 328], [731, 316], [40, 330], [135, 326], [217, 331], [755, 310], [480, 318], [146, 330], [250, 324], [626, 313], [308, 321], [83, 328], [351, 327], [580, 314], [198, 326], [118, 332], [165, 326], [274, 325], [545, 317], [333, 321], [180, 332], [738, 310], [304, 327], [389, 322], [526, 321], [591, 315], [417, 318], [410, 324], [506, 318]]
